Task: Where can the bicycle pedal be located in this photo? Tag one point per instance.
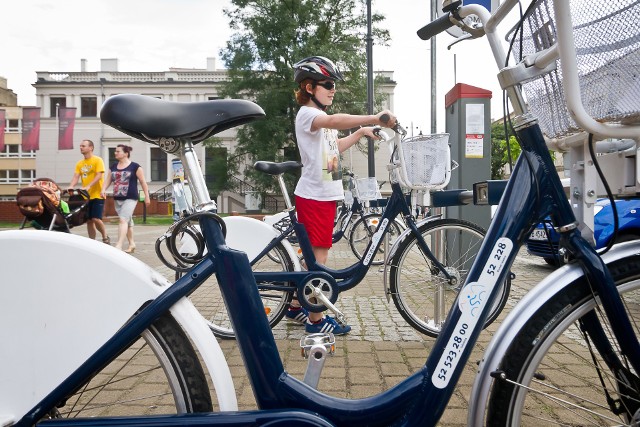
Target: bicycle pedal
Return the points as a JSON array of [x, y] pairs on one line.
[[307, 342]]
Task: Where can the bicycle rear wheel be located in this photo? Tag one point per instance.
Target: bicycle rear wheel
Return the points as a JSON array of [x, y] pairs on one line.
[[158, 374], [362, 231], [554, 356], [422, 293], [209, 302]]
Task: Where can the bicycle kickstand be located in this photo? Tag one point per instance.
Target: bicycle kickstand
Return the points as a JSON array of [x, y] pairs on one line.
[[315, 348]]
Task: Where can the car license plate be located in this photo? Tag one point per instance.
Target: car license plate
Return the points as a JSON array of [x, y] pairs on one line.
[[538, 234]]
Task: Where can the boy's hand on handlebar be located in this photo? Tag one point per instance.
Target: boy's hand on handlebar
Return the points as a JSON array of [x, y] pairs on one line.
[[387, 119], [370, 132]]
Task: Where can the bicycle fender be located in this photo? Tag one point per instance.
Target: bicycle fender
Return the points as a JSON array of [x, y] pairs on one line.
[[518, 316], [273, 219], [192, 322], [252, 236], [394, 249], [62, 296]]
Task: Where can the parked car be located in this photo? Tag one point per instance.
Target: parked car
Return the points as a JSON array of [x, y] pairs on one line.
[[628, 229]]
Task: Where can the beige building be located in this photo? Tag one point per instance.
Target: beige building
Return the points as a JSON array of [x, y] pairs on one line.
[[87, 90]]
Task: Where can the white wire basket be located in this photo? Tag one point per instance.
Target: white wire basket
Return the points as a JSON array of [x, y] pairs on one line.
[[607, 40], [367, 189], [424, 162], [348, 197]]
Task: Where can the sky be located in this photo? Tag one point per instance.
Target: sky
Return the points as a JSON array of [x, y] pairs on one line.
[[154, 35]]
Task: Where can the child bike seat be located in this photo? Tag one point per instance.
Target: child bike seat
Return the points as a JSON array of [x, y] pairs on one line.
[[151, 119], [273, 168]]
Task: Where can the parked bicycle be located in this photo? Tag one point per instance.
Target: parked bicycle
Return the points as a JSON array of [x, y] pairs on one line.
[[568, 353], [426, 265], [354, 220]]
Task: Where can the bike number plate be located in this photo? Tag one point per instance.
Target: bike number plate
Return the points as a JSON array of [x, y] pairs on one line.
[[471, 302]]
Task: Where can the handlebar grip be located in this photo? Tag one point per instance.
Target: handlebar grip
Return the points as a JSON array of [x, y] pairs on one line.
[[384, 118], [435, 27]]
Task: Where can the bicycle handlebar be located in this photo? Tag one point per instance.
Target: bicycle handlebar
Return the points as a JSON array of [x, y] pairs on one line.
[[435, 27]]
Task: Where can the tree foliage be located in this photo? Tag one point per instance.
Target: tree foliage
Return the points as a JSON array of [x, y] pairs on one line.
[[269, 37], [499, 153]]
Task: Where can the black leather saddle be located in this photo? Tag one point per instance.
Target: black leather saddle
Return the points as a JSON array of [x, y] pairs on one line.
[[273, 168], [151, 119]]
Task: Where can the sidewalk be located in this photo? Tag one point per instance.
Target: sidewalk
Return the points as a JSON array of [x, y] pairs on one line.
[[380, 351]]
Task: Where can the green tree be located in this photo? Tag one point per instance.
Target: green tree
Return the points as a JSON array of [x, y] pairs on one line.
[[499, 153], [269, 37]]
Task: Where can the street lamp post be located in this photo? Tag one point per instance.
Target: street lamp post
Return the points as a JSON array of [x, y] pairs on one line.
[[370, 146]]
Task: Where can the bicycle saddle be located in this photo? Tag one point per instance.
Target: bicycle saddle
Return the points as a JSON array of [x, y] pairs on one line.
[[151, 119], [273, 168]]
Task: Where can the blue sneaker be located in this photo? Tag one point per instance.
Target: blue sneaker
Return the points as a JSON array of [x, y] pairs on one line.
[[297, 315], [328, 324]]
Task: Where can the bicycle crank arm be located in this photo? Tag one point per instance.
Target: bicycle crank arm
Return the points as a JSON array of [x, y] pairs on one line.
[[317, 293]]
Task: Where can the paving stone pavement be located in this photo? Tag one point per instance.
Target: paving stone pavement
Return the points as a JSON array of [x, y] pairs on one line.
[[380, 351]]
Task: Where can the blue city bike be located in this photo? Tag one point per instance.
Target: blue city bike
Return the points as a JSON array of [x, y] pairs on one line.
[[568, 353]]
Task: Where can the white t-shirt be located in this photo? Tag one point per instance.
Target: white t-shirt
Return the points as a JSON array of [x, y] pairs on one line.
[[321, 173]]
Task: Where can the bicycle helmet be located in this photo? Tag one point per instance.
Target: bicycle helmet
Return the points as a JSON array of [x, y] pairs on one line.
[[316, 68]]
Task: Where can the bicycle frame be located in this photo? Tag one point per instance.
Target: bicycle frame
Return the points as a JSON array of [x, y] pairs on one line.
[[348, 277], [533, 176]]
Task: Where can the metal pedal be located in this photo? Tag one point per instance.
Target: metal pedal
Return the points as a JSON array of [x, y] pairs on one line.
[[315, 347]]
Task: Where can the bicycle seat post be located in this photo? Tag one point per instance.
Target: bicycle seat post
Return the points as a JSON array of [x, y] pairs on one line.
[[196, 179], [285, 193]]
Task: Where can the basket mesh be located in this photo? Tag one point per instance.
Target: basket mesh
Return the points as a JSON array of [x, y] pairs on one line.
[[425, 160], [607, 39], [367, 189]]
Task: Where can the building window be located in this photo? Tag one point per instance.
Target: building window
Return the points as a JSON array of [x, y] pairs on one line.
[[88, 106], [15, 150], [56, 102], [12, 126], [13, 176], [158, 164], [212, 98]]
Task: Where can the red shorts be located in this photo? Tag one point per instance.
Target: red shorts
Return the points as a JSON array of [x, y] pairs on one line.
[[317, 218]]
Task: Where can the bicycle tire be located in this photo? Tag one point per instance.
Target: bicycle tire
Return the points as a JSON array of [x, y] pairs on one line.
[[413, 282], [209, 302], [534, 360], [161, 363], [362, 231]]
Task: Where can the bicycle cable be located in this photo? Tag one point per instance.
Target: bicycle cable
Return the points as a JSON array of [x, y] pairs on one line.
[[614, 208]]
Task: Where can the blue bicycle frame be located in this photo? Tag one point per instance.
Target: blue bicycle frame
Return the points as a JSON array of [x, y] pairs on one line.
[[533, 192], [347, 278]]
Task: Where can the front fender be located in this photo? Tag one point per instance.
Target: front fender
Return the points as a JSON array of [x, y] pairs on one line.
[[252, 236], [61, 297], [511, 325]]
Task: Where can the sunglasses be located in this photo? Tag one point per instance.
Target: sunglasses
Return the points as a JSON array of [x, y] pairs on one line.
[[327, 85]]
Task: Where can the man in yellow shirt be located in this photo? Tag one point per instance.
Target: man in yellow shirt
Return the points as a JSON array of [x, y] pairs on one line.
[[90, 171]]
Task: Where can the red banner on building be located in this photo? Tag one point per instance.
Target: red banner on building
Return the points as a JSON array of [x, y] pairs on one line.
[[3, 118], [30, 128], [66, 122]]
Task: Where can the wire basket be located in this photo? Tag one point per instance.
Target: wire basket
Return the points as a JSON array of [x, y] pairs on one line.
[[424, 162], [607, 40], [348, 197], [367, 189]]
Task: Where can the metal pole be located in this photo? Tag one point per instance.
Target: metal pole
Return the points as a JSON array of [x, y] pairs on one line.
[[370, 145], [433, 70]]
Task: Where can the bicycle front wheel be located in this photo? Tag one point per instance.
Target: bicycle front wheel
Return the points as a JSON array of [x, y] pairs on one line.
[[422, 293], [560, 378], [158, 374], [362, 232], [209, 302]]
